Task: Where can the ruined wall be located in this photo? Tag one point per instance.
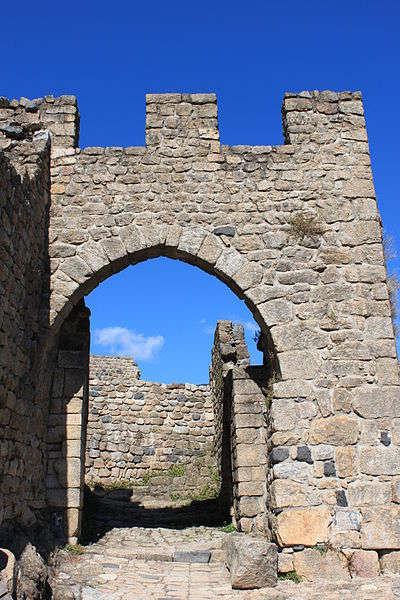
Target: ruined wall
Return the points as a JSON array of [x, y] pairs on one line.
[[24, 304], [241, 406], [155, 435], [295, 231]]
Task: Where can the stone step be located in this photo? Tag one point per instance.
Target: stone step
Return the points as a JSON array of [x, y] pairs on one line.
[[202, 556], [193, 556]]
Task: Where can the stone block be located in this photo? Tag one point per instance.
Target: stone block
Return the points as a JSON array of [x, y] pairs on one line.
[[278, 454], [368, 493], [299, 364], [250, 506], [380, 528], [338, 430], [379, 460], [286, 493], [390, 562], [313, 564], [346, 461], [252, 561], [364, 563], [377, 401], [346, 519], [307, 526], [285, 562], [345, 539], [192, 556]]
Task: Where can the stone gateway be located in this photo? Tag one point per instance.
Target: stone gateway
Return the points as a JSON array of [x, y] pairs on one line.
[[294, 230]]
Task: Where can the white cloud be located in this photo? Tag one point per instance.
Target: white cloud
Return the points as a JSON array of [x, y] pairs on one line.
[[251, 326], [125, 342]]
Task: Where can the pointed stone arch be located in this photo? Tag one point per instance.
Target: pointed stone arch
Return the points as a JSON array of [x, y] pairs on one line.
[[95, 261]]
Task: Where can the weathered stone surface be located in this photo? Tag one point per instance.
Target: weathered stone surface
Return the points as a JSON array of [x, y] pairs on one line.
[[8, 570], [32, 579], [346, 461], [367, 493], [285, 493], [346, 519], [278, 454], [285, 562], [364, 563], [390, 562], [225, 230], [380, 528], [340, 430], [314, 564], [4, 593], [374, 401], [195, 556], [377, 460], [252, 562], [307, 526]]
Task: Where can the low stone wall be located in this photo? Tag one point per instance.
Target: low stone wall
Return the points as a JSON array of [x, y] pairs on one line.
[[146, 433]]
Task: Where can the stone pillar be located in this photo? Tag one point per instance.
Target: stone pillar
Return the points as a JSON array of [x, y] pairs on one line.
[[67, 426], [249, 452]]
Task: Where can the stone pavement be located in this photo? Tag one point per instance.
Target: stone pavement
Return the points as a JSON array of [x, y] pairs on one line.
[[144, 564]]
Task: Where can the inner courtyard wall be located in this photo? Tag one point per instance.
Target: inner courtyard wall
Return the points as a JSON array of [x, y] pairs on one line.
[[158, 437]]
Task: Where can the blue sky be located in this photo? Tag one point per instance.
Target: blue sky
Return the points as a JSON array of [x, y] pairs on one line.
[[111, 54]]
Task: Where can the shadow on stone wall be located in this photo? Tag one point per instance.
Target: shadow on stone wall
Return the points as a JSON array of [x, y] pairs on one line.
[[105, 510]]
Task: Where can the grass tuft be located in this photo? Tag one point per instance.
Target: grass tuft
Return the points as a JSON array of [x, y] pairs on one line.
[[74, 549], [303, 225], [229, 528], [321, 548], [290, 576]]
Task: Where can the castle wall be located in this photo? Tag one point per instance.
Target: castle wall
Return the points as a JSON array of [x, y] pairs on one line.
[[158, 436], [24, 307], [294, 230]]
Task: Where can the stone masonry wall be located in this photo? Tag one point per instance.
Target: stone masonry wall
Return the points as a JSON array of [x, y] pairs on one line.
[[24, 306], [156, 435], [295, 231]]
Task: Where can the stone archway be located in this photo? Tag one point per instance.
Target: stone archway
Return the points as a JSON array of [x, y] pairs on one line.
[[294, 229], [70, 333]]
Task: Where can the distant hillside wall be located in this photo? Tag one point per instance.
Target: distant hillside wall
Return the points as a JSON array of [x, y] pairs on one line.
[[148, 433]]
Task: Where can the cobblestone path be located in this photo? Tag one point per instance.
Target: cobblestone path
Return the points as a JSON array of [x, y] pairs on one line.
[[145, 564]]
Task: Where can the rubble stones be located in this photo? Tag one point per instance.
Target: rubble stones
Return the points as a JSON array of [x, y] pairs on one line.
[[252, 562]]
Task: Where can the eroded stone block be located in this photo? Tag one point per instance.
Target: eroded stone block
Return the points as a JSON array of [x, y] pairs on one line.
[[252, 561], [307, 526]]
